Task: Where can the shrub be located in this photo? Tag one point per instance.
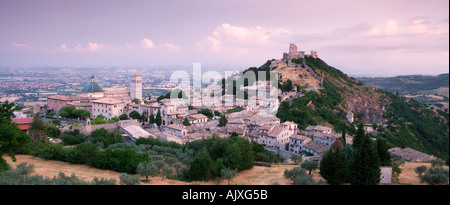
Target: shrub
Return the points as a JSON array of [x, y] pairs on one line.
[[82, 153], [121, 160], [126, 179], [107, 138], [435, 176], [420, 170], [49, 151], [72, 138], [296, 158], [437, 163], [103, 181]]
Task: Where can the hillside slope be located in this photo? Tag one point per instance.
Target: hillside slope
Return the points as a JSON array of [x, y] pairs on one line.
[[403, 122]]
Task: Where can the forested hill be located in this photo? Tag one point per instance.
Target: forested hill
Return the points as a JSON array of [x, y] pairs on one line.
[[403, 122], [426, 89], [409, 84]]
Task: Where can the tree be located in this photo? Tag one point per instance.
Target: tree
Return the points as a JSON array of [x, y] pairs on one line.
[[358, 137], [158, 119], [296, 158], [228, 174], [223, 121], [135, 101], [152, 118], [147, 169], [435, 176], [64, 114], [106, 138], [186, 122], [366, 165], [420, 170], [201, 166], [52, 113], [217, 113], [344, 140], [337, 145], [383, 154], [437, 163], [11, 137], [37, 130], [207, 112], [287, 86], [85, 114], [309, 165], [67, 111], [333, 167], [292, 174], [135, 114], [166, 171], [56, 121], [396, 170], [123, 117], [127, 179]]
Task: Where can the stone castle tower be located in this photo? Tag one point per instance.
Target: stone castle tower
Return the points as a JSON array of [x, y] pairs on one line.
[[136, 86]]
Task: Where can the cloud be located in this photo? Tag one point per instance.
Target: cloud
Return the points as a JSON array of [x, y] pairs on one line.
[[172, 47], [390, 27], [239, 36], [91, 47], [416, 26], [21, 45], [147, 43]]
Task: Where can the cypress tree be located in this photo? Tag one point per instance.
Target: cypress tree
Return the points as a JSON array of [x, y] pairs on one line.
[[152, 118], [158, 119], [333, 166], [186, 122], [202, 166], [344, 141], [223, 121], [358, 137], [365, 168], [383, 154]]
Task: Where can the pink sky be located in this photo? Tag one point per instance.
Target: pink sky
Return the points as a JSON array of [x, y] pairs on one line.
[[374, 38]]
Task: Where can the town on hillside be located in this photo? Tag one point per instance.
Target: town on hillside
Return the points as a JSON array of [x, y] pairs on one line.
[[178, 120]]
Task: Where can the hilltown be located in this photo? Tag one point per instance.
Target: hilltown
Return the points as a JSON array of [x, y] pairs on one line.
[[253, 118]]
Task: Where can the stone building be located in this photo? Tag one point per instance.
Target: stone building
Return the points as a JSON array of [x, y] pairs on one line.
[[294, 53]]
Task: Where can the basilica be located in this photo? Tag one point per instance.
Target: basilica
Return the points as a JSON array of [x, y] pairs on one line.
[[109, 103]]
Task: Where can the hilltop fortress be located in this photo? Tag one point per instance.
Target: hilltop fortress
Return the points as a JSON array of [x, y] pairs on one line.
[[294, 53]]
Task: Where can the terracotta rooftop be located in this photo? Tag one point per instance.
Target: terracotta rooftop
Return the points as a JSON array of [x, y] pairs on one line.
[[25, 120], [110, 101], [276, 131], [317, 147]]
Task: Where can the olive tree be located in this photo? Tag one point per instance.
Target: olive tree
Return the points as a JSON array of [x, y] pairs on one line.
[[310, 165], [228, 174], [147, 169]]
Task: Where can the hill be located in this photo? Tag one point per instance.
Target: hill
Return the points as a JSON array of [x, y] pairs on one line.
[[430, 90], [403, 122]]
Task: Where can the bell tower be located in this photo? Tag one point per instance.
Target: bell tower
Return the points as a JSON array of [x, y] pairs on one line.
[[136, 86]]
